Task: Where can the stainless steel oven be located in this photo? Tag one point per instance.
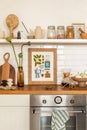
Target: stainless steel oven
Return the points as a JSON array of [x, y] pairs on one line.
[[42, 106]]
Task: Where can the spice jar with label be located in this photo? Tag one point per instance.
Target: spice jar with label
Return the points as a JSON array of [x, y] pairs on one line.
[[60, 32], [70, 32], [51, 32]]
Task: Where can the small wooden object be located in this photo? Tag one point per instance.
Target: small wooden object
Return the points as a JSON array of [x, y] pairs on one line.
[[7, 70], [12, 22], [83, 34]]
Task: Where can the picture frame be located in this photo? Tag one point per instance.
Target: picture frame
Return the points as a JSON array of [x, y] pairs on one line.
[[42, 66], [76, 29]]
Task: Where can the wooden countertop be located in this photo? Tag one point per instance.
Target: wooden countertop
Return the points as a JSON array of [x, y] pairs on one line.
[[45, 89]]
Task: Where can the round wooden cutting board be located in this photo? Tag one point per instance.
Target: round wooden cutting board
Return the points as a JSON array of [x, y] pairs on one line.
[[12, 22]]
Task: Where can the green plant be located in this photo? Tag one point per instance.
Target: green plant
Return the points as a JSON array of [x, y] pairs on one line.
[[37, 59], [20, 55]]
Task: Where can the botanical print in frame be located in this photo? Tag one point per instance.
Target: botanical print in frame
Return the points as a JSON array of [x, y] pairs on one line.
[[42, 65], [76, 29]]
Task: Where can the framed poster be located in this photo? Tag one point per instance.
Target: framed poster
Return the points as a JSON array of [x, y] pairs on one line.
[[42, 65], [76, 29]]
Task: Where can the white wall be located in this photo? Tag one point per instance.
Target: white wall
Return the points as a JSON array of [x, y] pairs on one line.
[[44, 13]]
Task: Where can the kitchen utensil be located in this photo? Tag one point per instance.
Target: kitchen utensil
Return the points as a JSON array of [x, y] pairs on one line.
[[25, 27], [7, 70], [12, 22]]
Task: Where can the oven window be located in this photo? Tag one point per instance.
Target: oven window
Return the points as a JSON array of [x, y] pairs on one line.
[[71, 123], [45, 123]]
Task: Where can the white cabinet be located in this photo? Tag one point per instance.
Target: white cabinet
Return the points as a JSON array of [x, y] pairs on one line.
[[14, 112]]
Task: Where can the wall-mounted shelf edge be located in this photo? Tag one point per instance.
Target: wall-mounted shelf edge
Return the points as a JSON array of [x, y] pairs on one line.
[[47, 41]]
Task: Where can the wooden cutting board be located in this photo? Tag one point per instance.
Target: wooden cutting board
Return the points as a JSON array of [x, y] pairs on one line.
[[7, 70]]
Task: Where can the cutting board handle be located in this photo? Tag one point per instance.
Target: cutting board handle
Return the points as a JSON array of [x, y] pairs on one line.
[[6, 56]]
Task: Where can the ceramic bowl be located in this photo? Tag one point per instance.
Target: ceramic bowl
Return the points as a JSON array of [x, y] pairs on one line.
[[81, 81]]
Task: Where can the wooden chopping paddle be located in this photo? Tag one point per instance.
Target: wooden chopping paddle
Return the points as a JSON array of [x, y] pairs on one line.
[[12, 22], [7, 70]]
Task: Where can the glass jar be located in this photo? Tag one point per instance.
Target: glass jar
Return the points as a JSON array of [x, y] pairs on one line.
[[66, 77], [70, 32], [20, 77], [18, 35], [38, 32], [51, 33], [60, 32]]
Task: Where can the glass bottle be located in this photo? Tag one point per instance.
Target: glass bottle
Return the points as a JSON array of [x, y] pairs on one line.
[[70, 32], [20, 77], [20, 73], [18, 35], [60, 32], [51, 33]]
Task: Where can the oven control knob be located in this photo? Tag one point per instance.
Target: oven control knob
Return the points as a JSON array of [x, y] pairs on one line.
[[57, 99], [44, 101], [72, 101]]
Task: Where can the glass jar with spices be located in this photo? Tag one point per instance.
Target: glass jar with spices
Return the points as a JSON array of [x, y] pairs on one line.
[[51, 33], [70, 32], [60, 32]]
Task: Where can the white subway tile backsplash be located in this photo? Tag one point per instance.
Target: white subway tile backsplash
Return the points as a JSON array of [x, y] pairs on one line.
[[60, 52], [61, 57], [74, 52], [60, 47], [72, 56], [68, 56]]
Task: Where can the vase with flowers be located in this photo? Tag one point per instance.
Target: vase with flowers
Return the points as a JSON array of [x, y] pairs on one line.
[[20, 72], [19, 62]]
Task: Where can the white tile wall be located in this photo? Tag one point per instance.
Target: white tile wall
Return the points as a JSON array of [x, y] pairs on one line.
[[68, 56], [73, 57]]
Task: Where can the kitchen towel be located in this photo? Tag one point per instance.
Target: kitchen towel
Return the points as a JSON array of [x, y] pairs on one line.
[[59, 118]]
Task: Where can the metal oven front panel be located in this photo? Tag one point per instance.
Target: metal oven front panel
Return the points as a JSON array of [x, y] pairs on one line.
[[41, 118], [43, 106]]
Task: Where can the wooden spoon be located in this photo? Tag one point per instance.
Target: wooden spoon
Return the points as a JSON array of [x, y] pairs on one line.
[[12, 22]]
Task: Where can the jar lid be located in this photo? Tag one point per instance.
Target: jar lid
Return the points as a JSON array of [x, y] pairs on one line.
[[51, 27], [60, 27], [70, 27]]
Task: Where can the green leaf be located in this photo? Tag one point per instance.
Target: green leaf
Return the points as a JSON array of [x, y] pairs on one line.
[[20, 55], [8, 39]]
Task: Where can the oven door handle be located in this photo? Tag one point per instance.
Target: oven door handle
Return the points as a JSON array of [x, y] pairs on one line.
[[36, 111]]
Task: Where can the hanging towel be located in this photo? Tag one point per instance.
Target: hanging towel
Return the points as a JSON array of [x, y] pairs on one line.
[[59, 118]]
